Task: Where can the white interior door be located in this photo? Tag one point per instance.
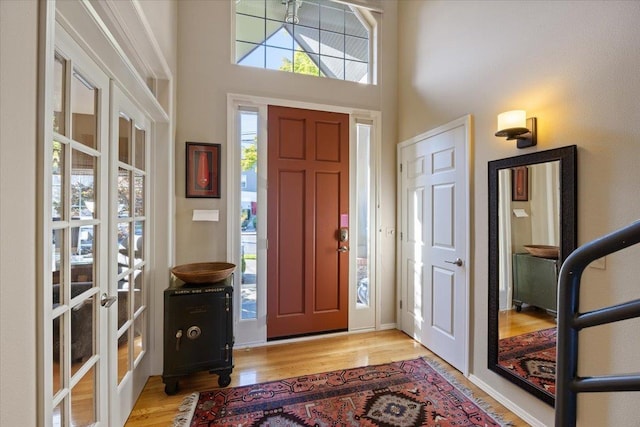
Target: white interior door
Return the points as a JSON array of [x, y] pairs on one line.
[[413, 166], [129, 257], [435, 255]]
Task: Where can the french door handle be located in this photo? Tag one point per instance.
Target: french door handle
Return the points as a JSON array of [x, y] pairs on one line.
[[457, 262], [107, 301]]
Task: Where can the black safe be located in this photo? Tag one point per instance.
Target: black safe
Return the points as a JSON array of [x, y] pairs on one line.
[[198, 332]]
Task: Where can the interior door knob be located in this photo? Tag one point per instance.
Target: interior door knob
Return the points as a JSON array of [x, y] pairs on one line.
[[457, 262]]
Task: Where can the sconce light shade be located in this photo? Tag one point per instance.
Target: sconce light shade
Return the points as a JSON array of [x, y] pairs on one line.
[[515, 125]]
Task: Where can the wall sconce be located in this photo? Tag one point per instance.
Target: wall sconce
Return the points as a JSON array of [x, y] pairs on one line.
[[515, 125]]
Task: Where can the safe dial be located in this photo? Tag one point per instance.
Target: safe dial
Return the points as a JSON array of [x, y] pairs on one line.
[[193, 332]]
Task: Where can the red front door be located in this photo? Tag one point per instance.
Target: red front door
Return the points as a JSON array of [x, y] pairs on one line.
[[308, 201]]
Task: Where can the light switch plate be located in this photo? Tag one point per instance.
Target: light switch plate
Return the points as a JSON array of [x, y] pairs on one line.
[[206, 215]]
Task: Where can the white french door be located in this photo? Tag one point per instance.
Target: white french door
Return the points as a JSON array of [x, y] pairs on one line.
[[435, 240], [76, 197], [96, 310], [129, 283]]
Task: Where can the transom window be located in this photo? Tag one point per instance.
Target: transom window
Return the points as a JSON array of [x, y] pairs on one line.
[[315, 37]]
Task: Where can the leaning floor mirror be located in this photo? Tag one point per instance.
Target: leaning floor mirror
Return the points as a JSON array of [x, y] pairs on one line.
[[532, 230]]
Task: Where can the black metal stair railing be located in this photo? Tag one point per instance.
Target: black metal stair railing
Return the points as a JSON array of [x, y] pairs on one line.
[[571, 321]]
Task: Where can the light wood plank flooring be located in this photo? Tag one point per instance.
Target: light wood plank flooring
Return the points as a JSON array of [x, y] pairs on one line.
[[272, 362], [512, 323]]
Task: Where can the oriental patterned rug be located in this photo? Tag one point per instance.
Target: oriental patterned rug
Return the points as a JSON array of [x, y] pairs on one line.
[[531, 356], [407, 393]]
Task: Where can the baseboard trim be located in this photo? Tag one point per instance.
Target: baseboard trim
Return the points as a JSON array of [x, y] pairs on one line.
[[510, 405]]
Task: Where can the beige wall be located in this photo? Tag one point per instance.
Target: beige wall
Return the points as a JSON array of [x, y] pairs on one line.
[[18, 78], [206, 76], [575, 66]]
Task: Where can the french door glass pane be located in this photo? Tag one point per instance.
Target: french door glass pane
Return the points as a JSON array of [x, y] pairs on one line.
[[138, 192], [57, 272], [123, 355], [58, 414], [57, 181], [83, 185], [138, 239], [57, 355], [123, 300], [139, 152], [82, 261], [59, 91], [124, 193], [138, 284], [249, 211], [83, 108], [124, 138], [83, 404], [138, 338], [82, 333], [123, 247]]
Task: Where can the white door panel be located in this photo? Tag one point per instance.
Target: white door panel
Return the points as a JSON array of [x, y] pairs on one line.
[[413, 242], [434, 240]]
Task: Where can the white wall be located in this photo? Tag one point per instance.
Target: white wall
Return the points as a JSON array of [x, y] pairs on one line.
[[575, 66], [18, 78], [205, 77]]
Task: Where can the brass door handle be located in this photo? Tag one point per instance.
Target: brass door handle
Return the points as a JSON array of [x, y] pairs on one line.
[[343, 249]]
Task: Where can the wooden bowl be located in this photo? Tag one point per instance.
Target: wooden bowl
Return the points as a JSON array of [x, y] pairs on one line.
[[203, 272], [543, 251]]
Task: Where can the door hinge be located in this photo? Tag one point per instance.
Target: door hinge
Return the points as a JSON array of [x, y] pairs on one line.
[[400, 167], [401, 236], [400, 304]]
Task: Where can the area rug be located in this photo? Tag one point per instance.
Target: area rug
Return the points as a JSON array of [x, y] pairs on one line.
[[531, 356], [407, 393]]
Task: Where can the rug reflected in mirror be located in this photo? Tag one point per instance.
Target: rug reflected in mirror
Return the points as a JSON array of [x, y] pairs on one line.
[[414, 392], [531, 356]]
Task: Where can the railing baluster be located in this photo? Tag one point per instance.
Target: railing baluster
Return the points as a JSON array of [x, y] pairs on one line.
[[570, 321]]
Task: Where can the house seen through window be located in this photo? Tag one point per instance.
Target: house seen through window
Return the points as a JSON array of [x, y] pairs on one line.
[[315, 37]]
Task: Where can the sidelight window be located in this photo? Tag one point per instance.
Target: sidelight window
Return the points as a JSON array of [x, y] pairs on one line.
[[248, 213]]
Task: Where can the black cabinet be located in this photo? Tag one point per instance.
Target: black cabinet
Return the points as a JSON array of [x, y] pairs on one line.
[[198, 332], [535, 282]]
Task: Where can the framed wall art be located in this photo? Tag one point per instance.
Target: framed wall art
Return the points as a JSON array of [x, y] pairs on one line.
[[520, 184], [203, 170]]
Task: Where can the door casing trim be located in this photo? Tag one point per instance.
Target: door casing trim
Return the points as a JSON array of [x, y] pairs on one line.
[[235, 102]]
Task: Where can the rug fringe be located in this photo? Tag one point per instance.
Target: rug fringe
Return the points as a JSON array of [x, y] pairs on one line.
[[186, 410], [485, 406]]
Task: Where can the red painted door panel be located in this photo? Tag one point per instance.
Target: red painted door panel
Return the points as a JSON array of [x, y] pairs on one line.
[[308, 192]]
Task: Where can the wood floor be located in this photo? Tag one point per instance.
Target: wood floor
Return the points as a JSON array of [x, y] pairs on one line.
[[272, 362], [512, 323]]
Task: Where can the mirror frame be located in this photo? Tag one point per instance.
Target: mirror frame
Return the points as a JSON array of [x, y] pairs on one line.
[[567, 156]]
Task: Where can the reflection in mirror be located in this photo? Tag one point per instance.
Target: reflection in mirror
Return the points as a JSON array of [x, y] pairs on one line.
[[531, 230]]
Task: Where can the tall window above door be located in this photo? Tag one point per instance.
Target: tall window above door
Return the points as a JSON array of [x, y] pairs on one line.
[[315, 37]]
